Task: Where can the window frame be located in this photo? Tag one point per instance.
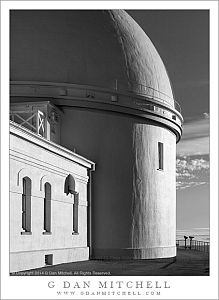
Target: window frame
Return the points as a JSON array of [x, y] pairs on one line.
[[26, 205], [75, 221], [160, 156], [47, 208]]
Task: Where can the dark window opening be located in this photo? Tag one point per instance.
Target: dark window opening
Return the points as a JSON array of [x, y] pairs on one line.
[[26, 205], [49, 259], [47, 207], [69, 185], [160, 156], [75, 213]]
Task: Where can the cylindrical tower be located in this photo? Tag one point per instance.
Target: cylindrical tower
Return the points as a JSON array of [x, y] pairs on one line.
[[103, 72]]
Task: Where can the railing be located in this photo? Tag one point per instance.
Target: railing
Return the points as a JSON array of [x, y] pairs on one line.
[[34, 121], [148, 92], [194, 245], [115, 86]]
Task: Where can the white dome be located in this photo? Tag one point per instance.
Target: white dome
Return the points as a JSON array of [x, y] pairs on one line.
[[86, 47]]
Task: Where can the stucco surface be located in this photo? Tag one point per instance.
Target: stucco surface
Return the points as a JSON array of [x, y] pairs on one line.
[[154, 196], [41, 166], [133, 203], [93, 47]]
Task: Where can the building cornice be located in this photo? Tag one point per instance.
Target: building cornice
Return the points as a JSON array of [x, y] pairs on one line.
[[25, 134], [148, 105]]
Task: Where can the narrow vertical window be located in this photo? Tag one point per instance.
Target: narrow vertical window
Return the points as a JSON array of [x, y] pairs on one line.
[[26, 205], [160, 156], [75, 213], [47, 207]]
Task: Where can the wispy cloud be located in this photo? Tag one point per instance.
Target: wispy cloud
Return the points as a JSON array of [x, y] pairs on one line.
[[202, 228], [192, 171], [196, 146], [195, 138], [193, 83], [191, 184], [201, 234], [192, 165], [206, 115]]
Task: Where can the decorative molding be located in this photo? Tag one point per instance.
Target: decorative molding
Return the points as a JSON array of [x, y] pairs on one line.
[[33, 138], [94, 93], [46, 178], [26, 233], [45, 167], [23, 173], [49, 249], [46, 233]]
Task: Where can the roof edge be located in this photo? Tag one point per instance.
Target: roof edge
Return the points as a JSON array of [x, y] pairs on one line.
[[26, 134]]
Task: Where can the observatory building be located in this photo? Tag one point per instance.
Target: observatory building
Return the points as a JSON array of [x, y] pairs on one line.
[[94, 127]]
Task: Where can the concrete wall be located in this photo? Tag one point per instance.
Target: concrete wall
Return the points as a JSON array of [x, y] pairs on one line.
[[133, 203], [154, 193], [41, 165]]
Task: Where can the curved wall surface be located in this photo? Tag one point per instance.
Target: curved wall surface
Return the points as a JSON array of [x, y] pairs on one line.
[[104, 48], [133, 203], [154, 193]]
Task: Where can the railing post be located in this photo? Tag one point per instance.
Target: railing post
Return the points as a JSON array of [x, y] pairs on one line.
[[191, 237], [37, 122], [185, 237], [40, 122]]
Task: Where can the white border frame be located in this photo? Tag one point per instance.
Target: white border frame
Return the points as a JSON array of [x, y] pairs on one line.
[[181, 287]]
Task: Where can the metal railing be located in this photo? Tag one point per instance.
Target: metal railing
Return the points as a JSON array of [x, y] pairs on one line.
[[34, 121], [115, 86], [141, 89], [194, 245]]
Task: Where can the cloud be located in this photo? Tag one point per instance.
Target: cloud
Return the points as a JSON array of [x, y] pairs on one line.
[[192, 165], [193, 83], [201, 228], [206, 115], [195, 138], [183, 185], [192, 171], [201, 234], [197, 146]]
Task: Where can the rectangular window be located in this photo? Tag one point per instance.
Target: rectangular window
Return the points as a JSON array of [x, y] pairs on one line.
[[75, 214], [160, 156], [47, 208], [49, 259], [26, 205]]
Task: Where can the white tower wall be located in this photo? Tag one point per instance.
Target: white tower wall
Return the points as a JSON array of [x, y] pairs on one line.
[[133, 203]]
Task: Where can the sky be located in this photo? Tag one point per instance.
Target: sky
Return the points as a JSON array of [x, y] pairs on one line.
[[182, 39]]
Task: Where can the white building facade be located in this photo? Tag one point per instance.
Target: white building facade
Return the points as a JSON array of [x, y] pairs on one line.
[[47, 226]]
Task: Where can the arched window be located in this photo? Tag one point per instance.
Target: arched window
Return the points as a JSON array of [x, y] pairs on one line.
[[47, 207], [69, 185], [26, 205], [70, 189]]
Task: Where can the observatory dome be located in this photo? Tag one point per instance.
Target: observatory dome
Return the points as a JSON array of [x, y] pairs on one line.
[[107, 49]]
